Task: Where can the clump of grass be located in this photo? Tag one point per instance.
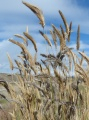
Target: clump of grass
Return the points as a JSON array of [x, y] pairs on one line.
[[43, 95]]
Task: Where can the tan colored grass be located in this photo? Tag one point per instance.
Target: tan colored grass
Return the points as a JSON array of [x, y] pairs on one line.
[[83, 72], [36, 11], [65, 22], [46, 38], [62, 40], [78, 38], [24, 49], [10, 61], [81, 61], [62, 31], [54, 37], [84, 56], [70, 30], [22, 37], [45, 89], [31, 39]]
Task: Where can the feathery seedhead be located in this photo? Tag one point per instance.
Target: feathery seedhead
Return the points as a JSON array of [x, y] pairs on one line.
[[31, 39], [78, 38], [46, 38], [37, 12], [65, 22]]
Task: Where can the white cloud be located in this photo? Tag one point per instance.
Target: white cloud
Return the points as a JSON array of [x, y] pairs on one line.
[[83, 46], [70, 9], [15, 17], [15, 11], [47, 6]]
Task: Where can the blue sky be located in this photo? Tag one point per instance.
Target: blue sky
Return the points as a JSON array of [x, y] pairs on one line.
[[14, 17]]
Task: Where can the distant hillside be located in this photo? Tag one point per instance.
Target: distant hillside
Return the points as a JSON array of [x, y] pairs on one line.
[[7, 77]]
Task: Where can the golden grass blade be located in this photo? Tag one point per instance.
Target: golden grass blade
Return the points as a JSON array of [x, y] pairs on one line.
[[37, 12], [70, 30], [27, 29], [78, 66], [79, 69], [23, 48], [69, 61], [17, 63], [78, 38], [62, 41], [31, 39], [65, 23], [84, 56], [54, 37], [5, 85], [22, 37], [46, 38], [17, 43], [65, 68], [72, 55], [13, 115], [10, 61], [23, 70], [62, 31], [58, 75], [26, 38], [77, 58], [81, 61]]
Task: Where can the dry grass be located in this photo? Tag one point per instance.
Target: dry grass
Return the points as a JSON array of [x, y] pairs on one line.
[[78, 38], [37, 11], [43, 95]]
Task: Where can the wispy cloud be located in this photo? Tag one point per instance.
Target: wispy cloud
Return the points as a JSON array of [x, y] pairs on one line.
[[15, 17]]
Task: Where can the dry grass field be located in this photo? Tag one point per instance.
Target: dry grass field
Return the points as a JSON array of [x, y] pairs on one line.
[[44, 90], [7, 107]]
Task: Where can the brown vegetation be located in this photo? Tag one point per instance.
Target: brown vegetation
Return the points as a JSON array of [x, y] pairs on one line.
[[43, 94]]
